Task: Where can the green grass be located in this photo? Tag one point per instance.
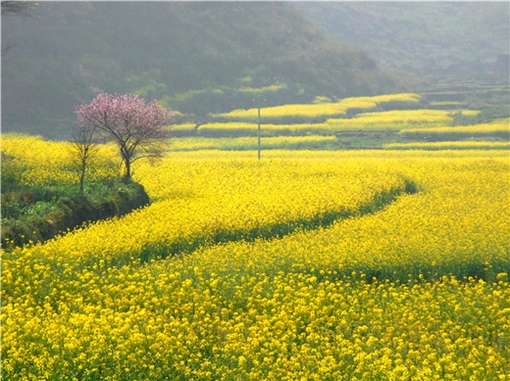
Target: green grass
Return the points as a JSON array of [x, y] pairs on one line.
[[36, 214]]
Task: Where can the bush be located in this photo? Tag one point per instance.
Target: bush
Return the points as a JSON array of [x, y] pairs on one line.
[[38, 215]]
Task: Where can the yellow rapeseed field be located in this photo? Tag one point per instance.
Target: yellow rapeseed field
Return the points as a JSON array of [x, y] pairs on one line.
[[397, 119], [245, 143], [183, 127], [498, 127], [449, 145], [267, 129], [44, 162], [388, 265], [320, 109]]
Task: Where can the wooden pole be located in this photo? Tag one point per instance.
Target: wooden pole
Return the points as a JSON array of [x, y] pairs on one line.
[[258, 154]]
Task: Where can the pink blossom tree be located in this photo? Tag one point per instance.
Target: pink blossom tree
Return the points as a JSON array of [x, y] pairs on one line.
[[137, 127]]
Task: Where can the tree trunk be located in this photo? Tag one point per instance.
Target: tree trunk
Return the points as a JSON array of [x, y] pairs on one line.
[[82, 171], [127, 173], [82, 180]]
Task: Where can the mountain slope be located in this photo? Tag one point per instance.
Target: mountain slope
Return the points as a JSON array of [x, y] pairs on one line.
[[193, 56], [436, 40]]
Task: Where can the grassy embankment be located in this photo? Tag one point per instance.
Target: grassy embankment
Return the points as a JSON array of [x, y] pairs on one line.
[[40, 191]]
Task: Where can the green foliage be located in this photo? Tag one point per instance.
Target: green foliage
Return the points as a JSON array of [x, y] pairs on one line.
[[36, 214], [146, 84], [12, 172]]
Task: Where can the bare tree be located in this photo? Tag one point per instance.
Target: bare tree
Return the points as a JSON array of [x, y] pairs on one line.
[[84, 149], [138, 128], [16, 8]]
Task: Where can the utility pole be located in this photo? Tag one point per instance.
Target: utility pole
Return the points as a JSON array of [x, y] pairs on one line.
[[258, 130]]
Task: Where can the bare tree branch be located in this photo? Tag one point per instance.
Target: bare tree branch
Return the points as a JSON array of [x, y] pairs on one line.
[[84, 148], [18, 8]]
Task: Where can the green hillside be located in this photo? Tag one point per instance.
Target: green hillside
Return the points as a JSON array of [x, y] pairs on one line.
[[433, 41], [196, 57]]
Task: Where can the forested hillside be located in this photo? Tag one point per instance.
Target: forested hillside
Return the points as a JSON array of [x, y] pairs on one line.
[[195, 57], [436, 42]]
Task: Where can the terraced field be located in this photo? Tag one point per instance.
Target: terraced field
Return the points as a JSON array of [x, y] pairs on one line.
[[384, 121]]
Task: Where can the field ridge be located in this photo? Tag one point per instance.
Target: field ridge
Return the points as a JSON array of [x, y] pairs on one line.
[[189, 244]]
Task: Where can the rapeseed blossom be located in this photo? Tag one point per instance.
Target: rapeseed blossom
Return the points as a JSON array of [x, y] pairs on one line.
[[389, 265], [247, 143], [496, 129], [320, 110], [498, 126], [250, 129], [449, 145], [42, 163], [393, 120]]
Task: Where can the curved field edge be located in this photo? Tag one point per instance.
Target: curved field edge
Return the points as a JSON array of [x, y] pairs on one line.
[[188, 244], [431, 236], [456, 226], [206, 237]]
